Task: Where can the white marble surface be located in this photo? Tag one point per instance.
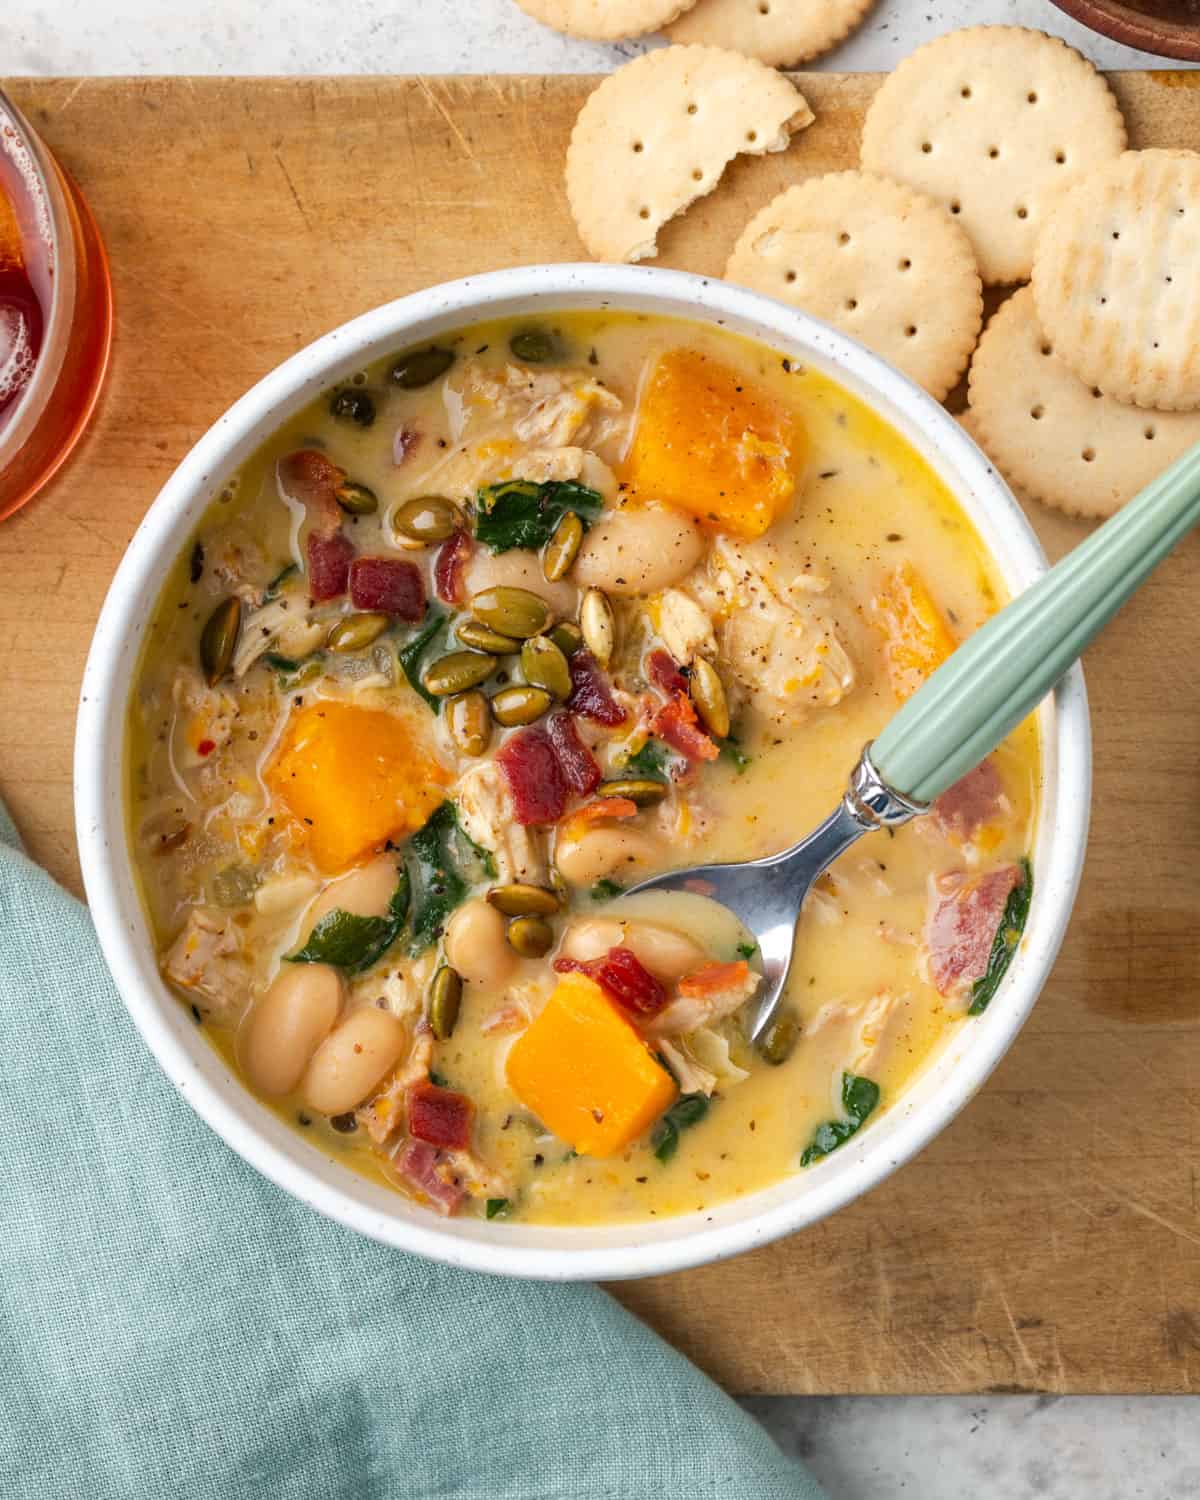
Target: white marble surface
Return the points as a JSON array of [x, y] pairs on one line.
[[1000, 1448]]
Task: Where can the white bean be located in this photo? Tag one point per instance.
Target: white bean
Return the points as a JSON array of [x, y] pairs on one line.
[[520, 569], [476, 945], [287, 1025], [352, 1060], [600, 852], [668, 954], [364, 893], [639, 549]]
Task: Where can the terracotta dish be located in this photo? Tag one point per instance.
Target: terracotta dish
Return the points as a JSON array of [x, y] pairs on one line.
[[1168, 28]]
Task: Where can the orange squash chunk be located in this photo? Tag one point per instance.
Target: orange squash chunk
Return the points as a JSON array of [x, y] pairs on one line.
[[917, 639], [585, 1072], [353, 778], [710, 443]]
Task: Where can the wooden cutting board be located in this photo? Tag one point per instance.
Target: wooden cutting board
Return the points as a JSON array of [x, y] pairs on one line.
[[1050, 1239]]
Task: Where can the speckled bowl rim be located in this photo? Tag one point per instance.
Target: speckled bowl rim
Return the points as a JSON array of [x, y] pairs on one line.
[[297, 1163]]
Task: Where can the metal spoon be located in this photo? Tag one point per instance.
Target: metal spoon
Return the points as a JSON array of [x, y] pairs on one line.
[[956, 718]]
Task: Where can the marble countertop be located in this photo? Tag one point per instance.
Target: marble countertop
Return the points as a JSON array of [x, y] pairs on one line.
[[988, 1448]]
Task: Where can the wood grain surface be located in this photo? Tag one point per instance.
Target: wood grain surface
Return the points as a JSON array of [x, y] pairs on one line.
[[1049, 1240]]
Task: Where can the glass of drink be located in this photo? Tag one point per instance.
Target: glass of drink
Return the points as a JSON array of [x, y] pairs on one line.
[[55, 312]]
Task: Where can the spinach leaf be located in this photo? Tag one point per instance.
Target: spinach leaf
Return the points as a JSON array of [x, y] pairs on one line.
[[1004, 944], [688, 1110], [275, 587], [859, 1098], [521, 513], [747, 950], [438, 882], [414, 651], [354, 943], [497, 1206], [731, 750], [650, 763], [293, 673], [605, 890]]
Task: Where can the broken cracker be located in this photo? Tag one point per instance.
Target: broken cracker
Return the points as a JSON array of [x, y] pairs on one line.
[[658, 133], [780, 33], [605, 20]]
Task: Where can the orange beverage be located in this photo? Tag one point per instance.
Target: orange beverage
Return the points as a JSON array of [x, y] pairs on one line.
[[55, 312]]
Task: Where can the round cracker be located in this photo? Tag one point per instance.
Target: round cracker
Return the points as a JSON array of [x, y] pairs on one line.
[[658, 133], [1115, 279], [1053, 436], [994, 122], [780, 33], [605, 20], [884, 264]]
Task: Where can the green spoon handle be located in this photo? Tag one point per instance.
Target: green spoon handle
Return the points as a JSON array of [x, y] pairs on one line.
[[1001, 673]]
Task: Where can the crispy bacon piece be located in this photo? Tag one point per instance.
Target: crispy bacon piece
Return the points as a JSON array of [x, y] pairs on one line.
[[313, 479], [421, 1166], [531, 767], [329, 558], [404, 444], [578, 765], [965, 807], [440, 1116], [388, 586], [676, 724], [591, 695], [623, 975], [450, 568], [663, 672], [962, 925], [714, 979], [605, 807]]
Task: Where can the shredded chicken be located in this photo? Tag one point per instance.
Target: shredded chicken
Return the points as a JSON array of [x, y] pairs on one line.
[[701, 1062], [282, 624], [684, 628], [206, 961], [690, 1012], [862, 1037], [488, 817], [474, 1176], [204, 719], [383, 1116], [522, 1001]]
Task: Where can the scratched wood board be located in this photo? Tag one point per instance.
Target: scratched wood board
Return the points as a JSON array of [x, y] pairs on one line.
[[1049, 1240]]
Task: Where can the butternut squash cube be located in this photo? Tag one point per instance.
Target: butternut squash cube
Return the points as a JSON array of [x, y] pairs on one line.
[[586, 1073], [353, 778], [710, 443], [917, 639]]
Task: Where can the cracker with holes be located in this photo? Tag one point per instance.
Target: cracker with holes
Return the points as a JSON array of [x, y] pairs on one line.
[[604, 20], [1116, 279], [882, 263], [779, 32], [1055, 437], [994, 122], [658, 133]]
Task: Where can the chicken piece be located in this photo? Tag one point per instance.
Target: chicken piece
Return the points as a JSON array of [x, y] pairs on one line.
[[701, 1062], [488, 817], [383, 1116], [862, 1038], [206, 961], [705, 997], [282, 624], [683, 627], [521, 1003], [562, 415], [204, 719], [542, 464], [475, 1177]]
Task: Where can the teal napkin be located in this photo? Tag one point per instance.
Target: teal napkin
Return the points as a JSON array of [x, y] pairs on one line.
[[172, 1324]]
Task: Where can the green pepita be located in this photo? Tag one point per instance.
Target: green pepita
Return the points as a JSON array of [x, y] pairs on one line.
[[537, 346], [543, 665], [521, 900], [421, 367], [427, 518], [445, 1001], [598, 625], [457, 673], [356, 632], [469, 720], [481, 637], [568, 637], [708, 694], [562, 548], [640, 790], [778, 1041], [350, 405], [219, 637], [357, 499], [532, 937], [520, 705], [511, 611]]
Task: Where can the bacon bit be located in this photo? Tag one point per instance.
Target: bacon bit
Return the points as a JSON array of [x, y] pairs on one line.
[[450, 567], [962, 926], [676, 724], [531, 767], [971, 802], [624, 976], [663, 672], [418, 1164], [591, 694], [605, 807], [389, 586], [206, 747], [714, 979], [440, 1116], [311, 478], [578, 764], [329, 559], [404, 444]]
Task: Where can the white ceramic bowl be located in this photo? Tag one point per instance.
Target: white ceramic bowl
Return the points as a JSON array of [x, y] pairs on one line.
[[293, 1161]]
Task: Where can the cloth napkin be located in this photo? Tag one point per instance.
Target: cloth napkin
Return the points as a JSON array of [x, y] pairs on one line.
[[172, 1324]]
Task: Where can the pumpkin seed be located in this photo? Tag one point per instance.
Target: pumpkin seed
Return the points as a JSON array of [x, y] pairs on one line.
[[219, 637], [481, 637], [544, 665], [356, 632], [568, 637], [457, 673], [511, 611], [532, 937], [708, 694], [537, 346], [778, 1041], [562, 548], [645, 792], [519, 705], [421, 367], [427, 518], [469, 720], [521, 900], [353, 406], [357, 499], [445, 1001], [598, 625]]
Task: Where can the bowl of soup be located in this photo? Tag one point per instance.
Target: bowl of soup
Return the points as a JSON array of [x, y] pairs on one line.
[[475, 613]]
